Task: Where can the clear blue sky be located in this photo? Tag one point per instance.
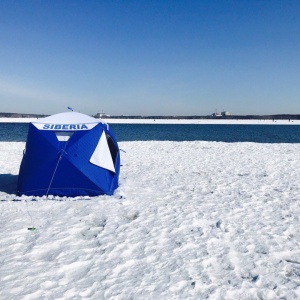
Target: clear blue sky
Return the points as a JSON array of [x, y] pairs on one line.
[[150, 57]]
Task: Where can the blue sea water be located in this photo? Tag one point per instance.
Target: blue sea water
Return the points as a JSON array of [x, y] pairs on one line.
[[166, 132]]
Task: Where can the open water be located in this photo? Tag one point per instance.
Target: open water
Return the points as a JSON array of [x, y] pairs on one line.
[[17, 132]]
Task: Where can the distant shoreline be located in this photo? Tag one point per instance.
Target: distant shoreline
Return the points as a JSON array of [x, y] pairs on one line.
[[175, 121], [195, 117], [280, 119]]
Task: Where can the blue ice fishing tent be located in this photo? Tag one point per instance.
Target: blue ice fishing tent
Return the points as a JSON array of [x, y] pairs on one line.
[[69, 154]]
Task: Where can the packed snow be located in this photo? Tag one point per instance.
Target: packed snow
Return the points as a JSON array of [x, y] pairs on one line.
[[190, 220]]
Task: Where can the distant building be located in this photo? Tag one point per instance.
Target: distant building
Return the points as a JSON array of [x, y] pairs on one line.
[[101, 115], [216, 115], [222, 114], [225, 113]]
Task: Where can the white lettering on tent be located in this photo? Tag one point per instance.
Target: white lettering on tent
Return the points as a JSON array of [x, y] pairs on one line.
[[102, 156], [64, 127]]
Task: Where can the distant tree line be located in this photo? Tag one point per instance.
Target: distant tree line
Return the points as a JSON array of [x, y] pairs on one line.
[[230, 117], [16, 115]]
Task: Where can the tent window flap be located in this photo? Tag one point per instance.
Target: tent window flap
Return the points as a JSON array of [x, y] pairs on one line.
[[63, 136], [101, 156]]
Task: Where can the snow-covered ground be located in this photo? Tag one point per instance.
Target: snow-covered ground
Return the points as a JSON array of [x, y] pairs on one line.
[[172, 121], [190, 220]]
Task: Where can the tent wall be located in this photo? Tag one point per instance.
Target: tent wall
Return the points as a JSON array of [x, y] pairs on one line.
[[57, 167]]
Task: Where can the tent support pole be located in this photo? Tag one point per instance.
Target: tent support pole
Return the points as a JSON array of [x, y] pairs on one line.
[[61, 154]]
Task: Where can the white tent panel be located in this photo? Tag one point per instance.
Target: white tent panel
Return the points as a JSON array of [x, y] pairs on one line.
[[102, 156], [68, 118], [68, 121]]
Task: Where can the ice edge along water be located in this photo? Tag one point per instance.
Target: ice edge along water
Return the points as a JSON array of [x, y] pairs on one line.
[[174, 121]]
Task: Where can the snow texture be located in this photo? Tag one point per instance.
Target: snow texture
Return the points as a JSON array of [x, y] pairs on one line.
[[190, 220]]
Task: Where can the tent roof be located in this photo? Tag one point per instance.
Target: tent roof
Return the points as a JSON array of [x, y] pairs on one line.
[[68, 118]]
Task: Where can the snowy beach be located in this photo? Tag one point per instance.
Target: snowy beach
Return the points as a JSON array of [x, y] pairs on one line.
[[190, 220]]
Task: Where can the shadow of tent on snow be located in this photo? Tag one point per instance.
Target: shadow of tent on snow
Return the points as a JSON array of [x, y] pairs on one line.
[[8, 183]]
